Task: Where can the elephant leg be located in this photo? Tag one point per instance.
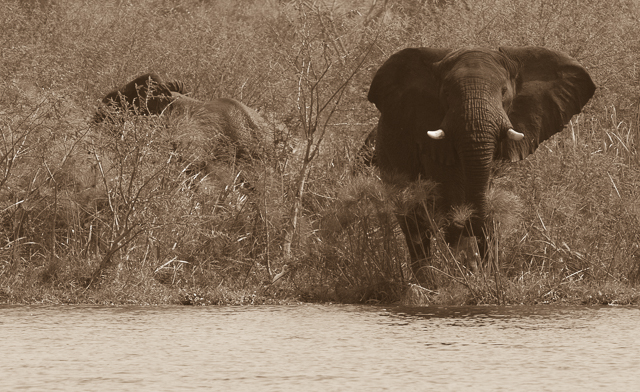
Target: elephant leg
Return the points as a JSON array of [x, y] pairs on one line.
[[418, 236], [467, 252], [467, 244], [477, 235]]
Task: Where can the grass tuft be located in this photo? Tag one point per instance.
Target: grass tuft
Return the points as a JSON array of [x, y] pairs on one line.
[[123, 213]]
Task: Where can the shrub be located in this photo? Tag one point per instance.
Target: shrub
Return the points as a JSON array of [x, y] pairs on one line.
[[111, 205]]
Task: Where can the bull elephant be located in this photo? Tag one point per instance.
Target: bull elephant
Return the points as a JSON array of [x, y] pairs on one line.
[[223, 128], [446, 115]]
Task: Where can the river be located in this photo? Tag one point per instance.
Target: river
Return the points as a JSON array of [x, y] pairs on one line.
[[319, 348]]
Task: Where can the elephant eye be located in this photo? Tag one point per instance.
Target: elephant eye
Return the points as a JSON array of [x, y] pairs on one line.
[[504, 90]]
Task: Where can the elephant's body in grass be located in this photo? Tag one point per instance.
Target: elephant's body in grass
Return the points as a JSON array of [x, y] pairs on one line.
[[366, 155], [146, 94], [203, 133], [447, 115], [228, 128]]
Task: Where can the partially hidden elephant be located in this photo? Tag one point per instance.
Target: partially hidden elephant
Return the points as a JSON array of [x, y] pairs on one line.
[[366, 155], [146, 94], [221, 129], [446, 115]]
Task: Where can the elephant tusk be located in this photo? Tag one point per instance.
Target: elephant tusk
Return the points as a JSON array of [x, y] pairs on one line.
[[513, 135], [437, 135]]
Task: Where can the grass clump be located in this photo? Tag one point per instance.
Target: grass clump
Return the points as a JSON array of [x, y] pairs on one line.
[[115, 214]]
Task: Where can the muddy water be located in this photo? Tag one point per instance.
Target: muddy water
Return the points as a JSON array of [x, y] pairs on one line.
[[319, 348]]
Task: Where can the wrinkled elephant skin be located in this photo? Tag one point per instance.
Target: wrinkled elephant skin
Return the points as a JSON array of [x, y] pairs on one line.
[[445, 115]]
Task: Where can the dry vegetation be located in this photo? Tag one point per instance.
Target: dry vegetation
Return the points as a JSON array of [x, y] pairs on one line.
[[104, 214]]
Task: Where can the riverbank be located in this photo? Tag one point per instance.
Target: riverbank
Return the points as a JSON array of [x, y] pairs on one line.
[[107, 214]]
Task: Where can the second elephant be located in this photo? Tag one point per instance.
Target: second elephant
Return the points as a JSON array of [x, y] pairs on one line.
[[223, 128], [146, 94]]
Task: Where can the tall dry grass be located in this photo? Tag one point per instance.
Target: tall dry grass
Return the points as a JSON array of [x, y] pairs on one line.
[[107, 214]]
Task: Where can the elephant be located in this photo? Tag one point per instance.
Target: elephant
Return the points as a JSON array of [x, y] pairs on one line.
[[222, 128], [447, 115], [366, 156], [148, 88]]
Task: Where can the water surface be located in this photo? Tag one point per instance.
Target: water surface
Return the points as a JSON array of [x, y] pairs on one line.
[[319, 347]]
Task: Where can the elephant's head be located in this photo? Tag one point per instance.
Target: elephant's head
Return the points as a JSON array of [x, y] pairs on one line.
[[146, 94], [446, 114]]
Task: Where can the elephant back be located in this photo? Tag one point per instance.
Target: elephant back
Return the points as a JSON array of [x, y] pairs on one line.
[[224, 127], [244, 126]]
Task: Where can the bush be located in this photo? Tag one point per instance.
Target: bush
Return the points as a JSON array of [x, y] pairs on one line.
[[110, 207]]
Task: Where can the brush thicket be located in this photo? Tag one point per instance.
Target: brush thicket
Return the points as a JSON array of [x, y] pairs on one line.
[[76, 199]]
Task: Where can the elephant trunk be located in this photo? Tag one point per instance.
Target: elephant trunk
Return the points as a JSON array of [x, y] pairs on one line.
[[483, 123], [476, 164]]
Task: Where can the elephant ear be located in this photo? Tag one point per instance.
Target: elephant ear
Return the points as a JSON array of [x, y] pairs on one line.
[[152, 89], [406, 79], [551, 87], [406, 90], [176, 86]]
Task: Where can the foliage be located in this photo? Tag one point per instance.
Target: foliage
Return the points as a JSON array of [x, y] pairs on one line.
[[105, 214]]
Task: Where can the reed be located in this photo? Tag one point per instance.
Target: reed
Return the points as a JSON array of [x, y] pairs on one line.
[[107, 214]]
